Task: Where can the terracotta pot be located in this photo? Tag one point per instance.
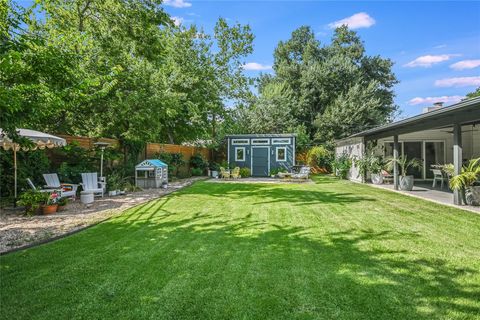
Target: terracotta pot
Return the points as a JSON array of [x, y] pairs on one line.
[[49, 209]]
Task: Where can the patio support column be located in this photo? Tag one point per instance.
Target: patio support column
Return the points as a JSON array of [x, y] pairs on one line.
[[457, 159], [395, 164]]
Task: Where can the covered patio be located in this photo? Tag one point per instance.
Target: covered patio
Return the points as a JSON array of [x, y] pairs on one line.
[[446, 135]]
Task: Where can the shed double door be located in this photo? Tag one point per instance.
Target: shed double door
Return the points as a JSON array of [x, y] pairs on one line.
[[260, 161]]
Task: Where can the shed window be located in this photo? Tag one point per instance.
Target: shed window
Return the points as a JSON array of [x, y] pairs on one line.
[[281, 141], [260, 141], [240, 141], [281, 154], [240, 154]]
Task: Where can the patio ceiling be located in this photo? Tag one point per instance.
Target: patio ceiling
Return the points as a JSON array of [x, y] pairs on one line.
[[463, 113]]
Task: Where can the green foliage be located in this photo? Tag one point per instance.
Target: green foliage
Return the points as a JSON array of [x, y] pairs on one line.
[[198, 161], [469, 175], [320, 156], [30, 164], [62, 201], [174, 161], [197, 172], [214, 166], [341, 165], [473, 94], [330, 91], [275, 171], [404, 163], [245, 172], [369, 163], [32, 200], [76, 160]]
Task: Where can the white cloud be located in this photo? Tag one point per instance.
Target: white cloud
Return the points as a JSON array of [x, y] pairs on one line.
[[458, 82], [440, 46], [256, 66], [357, 21], [465, 64], [177, 3], [432, 100], [429, 60], [177, 20]]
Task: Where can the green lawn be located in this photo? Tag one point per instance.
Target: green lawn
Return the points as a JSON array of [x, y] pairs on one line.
[[330, 250]]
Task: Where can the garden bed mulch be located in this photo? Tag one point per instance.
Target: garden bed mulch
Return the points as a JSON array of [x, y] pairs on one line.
[[18, 231]]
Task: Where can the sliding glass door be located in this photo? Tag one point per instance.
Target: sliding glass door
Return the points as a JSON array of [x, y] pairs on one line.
[[411, 150], [434, 154]]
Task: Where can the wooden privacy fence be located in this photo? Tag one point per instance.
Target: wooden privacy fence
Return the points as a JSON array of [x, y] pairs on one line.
[[151, 149]]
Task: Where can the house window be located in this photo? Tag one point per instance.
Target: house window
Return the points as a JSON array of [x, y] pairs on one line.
[[240, 141], [281, 154], [260, 141], [281, 141], [239, 154]]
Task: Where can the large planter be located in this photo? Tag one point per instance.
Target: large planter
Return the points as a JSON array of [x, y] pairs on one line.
[[377, 178], [472, 195], [49, 209], [406, 183]]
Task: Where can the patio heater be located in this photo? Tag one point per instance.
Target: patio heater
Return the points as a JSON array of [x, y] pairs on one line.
[[102, 146]]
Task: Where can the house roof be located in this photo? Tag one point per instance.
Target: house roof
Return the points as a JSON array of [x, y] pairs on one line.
[[262, 135], [464, 112]]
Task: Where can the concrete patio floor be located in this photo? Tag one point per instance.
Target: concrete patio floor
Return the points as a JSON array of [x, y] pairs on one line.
[[425, 191]]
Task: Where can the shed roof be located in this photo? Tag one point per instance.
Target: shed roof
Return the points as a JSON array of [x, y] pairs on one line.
[[151, 163], [464, 112]]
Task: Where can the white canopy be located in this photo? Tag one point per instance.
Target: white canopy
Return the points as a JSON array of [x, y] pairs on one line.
[[40, 139]]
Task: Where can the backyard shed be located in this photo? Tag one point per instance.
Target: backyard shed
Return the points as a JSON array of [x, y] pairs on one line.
[[151, 173], [261, 152]]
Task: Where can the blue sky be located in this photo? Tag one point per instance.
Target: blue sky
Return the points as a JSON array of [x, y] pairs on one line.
[[435, 45]]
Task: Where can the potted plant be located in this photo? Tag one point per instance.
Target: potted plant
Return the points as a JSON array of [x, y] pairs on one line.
[[466, 182], [32, 200], [214, 168], [62, 203], [273, 172], [406, 182], [376, 166], [50, 205]]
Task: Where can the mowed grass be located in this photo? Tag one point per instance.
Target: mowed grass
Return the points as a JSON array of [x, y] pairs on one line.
[[329, 250]]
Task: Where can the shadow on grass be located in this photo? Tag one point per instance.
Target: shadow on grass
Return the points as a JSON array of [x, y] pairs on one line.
[[270, 193], [156, 265]]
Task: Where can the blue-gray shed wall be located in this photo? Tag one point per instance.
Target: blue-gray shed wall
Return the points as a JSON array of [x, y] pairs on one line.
[[290, 147]]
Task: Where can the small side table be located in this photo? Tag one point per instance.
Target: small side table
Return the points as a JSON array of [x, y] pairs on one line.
[[86, 197]]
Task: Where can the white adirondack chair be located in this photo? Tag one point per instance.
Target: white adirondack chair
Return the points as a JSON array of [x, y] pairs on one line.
[[30, 183], [65, 189], [90, 183]]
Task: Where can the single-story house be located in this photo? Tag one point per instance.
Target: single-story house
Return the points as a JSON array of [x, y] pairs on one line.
[[440, 135], [261, 152]]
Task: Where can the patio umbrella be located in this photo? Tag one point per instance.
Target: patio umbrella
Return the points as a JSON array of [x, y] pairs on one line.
[[40, 140]]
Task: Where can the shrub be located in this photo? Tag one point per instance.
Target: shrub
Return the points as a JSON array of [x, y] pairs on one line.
[[341, 165], [174, 161], [198, 161], [197, 172], [32, 200], [320, 156], [245, 172]]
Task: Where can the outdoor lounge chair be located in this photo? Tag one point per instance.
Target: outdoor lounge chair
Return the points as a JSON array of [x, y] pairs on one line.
[[236, 173], [224, 173], [438, 176], [303, 173], [30, 183], [90, 183], [387, 176], [66, 190]]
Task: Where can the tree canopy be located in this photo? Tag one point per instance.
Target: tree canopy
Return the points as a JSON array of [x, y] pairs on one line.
[[326, 92]]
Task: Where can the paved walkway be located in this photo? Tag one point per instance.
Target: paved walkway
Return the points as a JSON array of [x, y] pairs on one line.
[[434, 195]]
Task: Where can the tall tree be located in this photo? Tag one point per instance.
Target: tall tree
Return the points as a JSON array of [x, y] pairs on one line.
[[331, 91]]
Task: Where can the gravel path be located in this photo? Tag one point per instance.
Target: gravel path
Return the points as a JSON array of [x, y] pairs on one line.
[[18, 230]]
